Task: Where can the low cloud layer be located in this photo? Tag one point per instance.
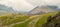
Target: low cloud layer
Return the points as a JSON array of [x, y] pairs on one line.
[[19, 5], [44, 2], [27, 5]]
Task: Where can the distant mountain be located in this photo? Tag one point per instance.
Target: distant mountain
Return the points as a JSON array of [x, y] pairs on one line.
[[5, 9], [44, 9], [54, 8]]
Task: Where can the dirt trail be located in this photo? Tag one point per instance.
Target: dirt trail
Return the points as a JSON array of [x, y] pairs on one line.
[[22, 21], [33, 22]]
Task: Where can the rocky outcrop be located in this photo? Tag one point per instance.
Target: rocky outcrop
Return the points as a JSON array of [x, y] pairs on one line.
[[53, 21]]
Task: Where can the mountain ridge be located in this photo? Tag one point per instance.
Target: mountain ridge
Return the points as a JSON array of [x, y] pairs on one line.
[[44, 9]]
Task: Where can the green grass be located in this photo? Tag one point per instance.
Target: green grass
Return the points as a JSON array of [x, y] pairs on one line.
[[44, 19], [26, 23], [9, 19], [39, 23], [14, 18]]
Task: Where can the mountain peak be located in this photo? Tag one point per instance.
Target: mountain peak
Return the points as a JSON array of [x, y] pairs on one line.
[[6, 8], [44, 9]]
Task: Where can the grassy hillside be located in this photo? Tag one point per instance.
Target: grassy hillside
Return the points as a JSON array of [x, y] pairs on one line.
[[53, 21], [44, 19], [18, 20], [12, 18]]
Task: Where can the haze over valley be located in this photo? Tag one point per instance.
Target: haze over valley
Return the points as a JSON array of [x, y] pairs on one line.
[[29, 13]]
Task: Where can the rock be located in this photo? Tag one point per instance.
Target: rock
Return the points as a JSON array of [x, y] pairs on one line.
[[53, 21]]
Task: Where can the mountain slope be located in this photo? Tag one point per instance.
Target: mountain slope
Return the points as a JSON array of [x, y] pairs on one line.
[[5, 9], [38, 9], [53, 21], [44, 9], [52, 7], [19, 20]]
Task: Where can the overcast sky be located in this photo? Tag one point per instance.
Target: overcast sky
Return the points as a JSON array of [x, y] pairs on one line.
[[27, 5], [19, 5], [44, 2]]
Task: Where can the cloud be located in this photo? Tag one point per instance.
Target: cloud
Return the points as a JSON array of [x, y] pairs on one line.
[[44, 2], [27, 5], [19, 5]]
